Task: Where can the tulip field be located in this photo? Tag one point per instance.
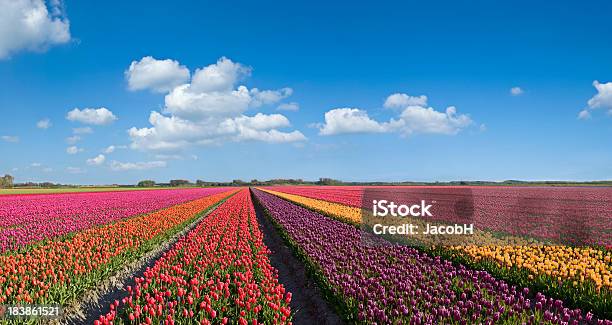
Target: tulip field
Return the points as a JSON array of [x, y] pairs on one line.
[[540, 255]]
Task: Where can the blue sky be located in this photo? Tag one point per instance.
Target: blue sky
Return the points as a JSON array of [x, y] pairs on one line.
[[339, 62]]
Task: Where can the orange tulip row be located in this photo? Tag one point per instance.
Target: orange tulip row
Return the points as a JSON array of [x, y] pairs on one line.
[[60, 271]]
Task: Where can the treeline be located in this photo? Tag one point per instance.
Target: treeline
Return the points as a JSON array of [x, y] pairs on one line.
[[335, 182], [7, 181]]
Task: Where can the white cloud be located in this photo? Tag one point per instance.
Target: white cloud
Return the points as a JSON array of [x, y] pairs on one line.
[[186, 103], [171, 132], [97, 160], [265, 97], [293, 106], [10, 138], [72, 150], [210, 110], [35, 164], [584, 114], [47, 169], [123, 166], [416, 119], [75, 170], [28, 25], [44, 124], [73, 139], [83, 130], [157, 75], [349, 120], [516, 91], [603, 98], [399, 100], [95, 116], [109, 149], [219, 77], [412, 119]]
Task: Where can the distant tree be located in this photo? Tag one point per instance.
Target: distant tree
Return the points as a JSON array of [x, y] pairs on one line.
[[200, 182], [328, 181], [178, 182], [6, 181], [238, 182], [146, 183], [47, 185]]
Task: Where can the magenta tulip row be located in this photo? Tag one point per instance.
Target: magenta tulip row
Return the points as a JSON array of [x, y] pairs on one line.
[[26, 219]]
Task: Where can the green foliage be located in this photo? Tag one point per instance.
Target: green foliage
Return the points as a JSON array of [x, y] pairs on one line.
[[146, 183], [179, 182]]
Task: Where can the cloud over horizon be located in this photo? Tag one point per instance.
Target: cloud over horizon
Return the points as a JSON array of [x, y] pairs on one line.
[[211, 109], [415, 118]]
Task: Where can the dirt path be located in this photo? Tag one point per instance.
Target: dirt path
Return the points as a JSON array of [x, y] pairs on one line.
[[307, 302]]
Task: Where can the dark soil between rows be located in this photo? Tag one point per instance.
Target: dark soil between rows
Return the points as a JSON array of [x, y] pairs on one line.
[[307, 302]]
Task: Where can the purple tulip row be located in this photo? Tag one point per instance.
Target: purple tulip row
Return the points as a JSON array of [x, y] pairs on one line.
[[384, 283], [25, 219]]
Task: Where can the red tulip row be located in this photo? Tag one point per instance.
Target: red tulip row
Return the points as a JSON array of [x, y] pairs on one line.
[[218, 273]]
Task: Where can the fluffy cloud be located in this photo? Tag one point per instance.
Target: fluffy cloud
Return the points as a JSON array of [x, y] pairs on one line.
[[601, 100], [157, 75], [350, 120], [412, 119], [516, 91], [97, 160], [44, 124], [95, 116], [123, 166], [416, 119], [398, 100], [10, 138], [210, 109], [72, 150], [293, 106], [28, 25], [219, 77], [185, 103], [171, 132]]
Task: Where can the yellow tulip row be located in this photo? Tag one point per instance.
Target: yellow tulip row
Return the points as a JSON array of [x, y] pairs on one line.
[[340, 211], [561, 262]]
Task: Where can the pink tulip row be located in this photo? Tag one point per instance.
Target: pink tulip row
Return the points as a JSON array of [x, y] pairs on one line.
[[570, 215], [26, 219]]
